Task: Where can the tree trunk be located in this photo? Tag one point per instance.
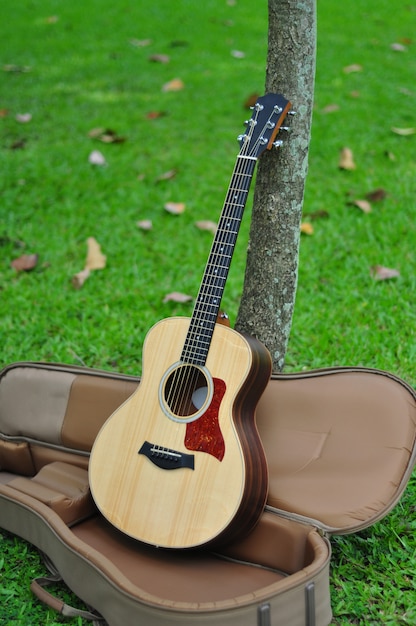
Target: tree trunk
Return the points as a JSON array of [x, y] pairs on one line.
[[268, 298]]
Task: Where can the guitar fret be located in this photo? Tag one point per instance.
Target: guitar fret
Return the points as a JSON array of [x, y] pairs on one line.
[[208, 301]]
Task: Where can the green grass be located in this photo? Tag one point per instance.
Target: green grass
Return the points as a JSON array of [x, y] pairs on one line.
[[86, 73]]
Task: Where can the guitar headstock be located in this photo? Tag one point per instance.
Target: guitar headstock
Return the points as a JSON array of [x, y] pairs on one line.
[[268, 115]]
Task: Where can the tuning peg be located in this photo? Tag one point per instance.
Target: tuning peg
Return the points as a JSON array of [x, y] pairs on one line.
[[241, 137], [278, 143], [286, 128], [292, 113]]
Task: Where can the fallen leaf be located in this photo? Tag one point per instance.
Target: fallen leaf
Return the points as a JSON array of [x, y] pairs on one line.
[[377, 195], [346, 160], [23, 118], [363, 205], [175, 296], [159, 58], [179, 43], [176, 208], [18, 144], [96, 260], [25, 263], [79, 279], [52, 19], [97, 158], [167, 175], [398, 47], [154, 115], [403, 131], [141, 43], [4, 112], [317, 215], [354, 67], [16, 68], [378, 272], [330, 108], [144, 224], [176, 84], [207, 225], [251, 100], [355, 94], [106, 135], [306, 228]]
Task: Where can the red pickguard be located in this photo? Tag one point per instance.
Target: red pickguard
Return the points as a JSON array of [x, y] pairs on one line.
[[204, 434]]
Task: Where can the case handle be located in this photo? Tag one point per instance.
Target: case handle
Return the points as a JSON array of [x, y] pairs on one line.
[[37, 586]]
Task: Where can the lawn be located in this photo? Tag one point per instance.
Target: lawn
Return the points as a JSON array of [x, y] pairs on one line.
[[67, 69]]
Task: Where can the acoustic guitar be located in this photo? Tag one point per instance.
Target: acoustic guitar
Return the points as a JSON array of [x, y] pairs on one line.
[[180, 464]]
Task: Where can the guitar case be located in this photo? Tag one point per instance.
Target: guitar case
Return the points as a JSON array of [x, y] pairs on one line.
[[340, 446]]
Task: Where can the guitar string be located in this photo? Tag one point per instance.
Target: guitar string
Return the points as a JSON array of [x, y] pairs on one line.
[[190, 375], [187, 376]]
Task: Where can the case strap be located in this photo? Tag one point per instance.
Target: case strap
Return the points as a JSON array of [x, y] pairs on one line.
[[37, 586]]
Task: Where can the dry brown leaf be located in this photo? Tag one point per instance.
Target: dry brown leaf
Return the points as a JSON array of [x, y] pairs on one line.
[[167, 175], [106, 135], [379, 272], [404, 132], [317, 215], [144, 224], [97, 158], [390, 155], [4, 112], [141, 43], [176, 208], [176, 84], [25, 263], [52, 19], [207, 225], [10, 67], [175, 296], [19, 144], [330, 108], [96, 260], [363, 205], [354, 67], [79, 279], [306, 228], [159, 58], [377, 195], [154, 115], [251, 100], [346, 160]]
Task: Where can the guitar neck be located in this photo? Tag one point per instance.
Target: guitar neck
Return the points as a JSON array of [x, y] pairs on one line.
[[208, 301]]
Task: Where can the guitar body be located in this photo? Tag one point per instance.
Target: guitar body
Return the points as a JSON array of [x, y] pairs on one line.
[[180, 463]]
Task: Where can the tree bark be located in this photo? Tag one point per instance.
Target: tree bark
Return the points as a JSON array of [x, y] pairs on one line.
[[269, 291]]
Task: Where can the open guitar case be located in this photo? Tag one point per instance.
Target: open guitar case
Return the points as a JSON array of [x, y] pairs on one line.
[[340, 446]]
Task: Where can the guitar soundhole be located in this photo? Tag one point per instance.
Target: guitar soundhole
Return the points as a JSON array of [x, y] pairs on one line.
[[187, 391]]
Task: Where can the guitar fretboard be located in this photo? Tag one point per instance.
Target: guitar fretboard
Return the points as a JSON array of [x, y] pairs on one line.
[[208, 302]]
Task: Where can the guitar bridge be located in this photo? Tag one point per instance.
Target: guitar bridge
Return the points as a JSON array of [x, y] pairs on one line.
[[166, 458]]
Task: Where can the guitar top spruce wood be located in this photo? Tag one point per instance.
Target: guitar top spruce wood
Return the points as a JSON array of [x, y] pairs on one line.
[[180, 464]]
